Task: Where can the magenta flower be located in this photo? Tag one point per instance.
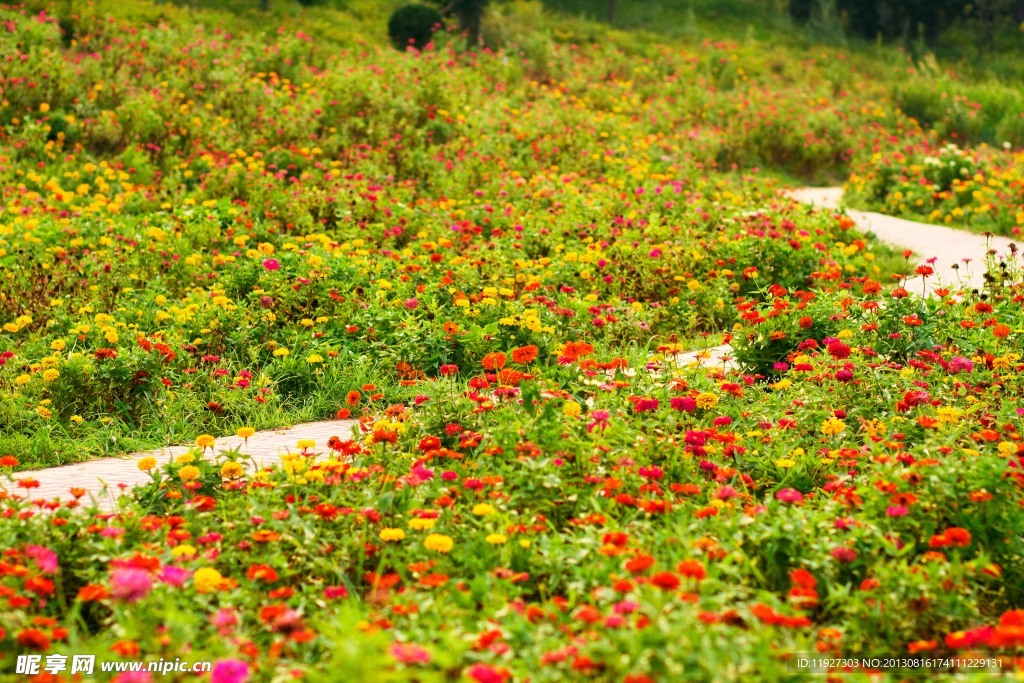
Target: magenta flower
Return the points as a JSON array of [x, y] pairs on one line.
[[173, 575], [897, 511], [271, 264], [229, 671], [683, 403], [412, 303]]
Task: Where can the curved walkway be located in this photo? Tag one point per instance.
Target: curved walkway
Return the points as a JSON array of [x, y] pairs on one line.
[[957, 256], [104, 479]]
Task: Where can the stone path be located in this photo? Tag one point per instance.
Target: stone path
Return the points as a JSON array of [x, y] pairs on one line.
[[948, 246], [105, 479]]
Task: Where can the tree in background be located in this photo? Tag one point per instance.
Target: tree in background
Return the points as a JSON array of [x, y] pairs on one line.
[[910, 19], [469, 14]]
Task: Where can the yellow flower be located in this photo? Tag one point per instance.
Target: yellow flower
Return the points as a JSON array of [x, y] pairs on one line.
[[183, 549], [785, 463], [307, 443], [44, 412], [496, 539], [390, 534], [207, 580], [22, 380], [483, 509], [571, 409], [147, 463], [50, 375], [833, 426], [205, 441], [421, 523], [706, 400], [438, 542], [58, 345], [245, 432], [315, 358], [280, 353], [1007, 448], [231, 470], [188, 473]]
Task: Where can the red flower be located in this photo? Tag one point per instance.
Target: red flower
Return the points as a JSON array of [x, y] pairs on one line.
[[33, 639], [665, 581]]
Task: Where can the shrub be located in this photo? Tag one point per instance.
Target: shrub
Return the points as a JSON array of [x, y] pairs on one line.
[[413, 25]]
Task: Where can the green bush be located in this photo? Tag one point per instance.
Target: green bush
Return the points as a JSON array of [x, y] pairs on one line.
[[413, 25]]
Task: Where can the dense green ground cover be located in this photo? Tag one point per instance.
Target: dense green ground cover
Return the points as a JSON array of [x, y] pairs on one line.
[[492, 259]]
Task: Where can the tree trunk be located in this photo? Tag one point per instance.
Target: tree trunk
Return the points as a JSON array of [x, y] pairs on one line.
[[611, 11]]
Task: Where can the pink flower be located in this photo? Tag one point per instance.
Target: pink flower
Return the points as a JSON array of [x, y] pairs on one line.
[[133, 677], [600, 418], [271, 264], [224, 619], [897, 511], [726, 492], [412, 304], [130, 584], [45, 558], [789, 496], [229, 671], [173, 575], [408, 653], [482, 673]]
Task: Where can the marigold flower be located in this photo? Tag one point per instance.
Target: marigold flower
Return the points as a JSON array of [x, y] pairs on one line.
[[391, 534], [205, 441], [207, 580], [189, 473], [147, 463], [438, 542], [833, 426], [706, 400], [231, 470]]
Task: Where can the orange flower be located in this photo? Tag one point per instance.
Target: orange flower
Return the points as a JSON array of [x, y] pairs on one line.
[[494, 361], [524, 355], [352, 398], [93, 591]]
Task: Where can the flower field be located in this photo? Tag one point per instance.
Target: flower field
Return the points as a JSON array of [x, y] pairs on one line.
[[979, 189], [491, 261]]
